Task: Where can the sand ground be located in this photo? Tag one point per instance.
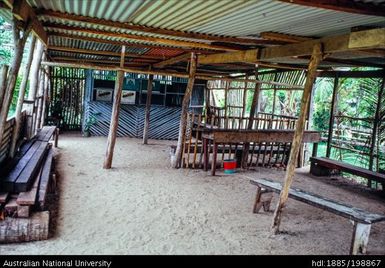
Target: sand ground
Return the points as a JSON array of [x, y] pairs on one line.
[[142, 206]]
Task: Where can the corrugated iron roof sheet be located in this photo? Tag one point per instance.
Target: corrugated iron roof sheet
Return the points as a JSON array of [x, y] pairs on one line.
[[219, 17]]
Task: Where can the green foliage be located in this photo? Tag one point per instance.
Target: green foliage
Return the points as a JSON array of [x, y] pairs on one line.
[[6, 43]]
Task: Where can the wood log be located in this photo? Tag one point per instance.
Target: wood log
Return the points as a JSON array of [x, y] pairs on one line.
[[332, 113], [115, 114], [25, 229], [20, 100], [176, 159], [298, 134], [148, 109]]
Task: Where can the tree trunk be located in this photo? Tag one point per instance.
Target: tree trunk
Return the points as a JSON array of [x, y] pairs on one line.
[[298, 134], [177, 158], [20, 99]]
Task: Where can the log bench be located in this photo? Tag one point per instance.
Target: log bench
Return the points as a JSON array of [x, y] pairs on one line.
[[362, 220], [322, 166], [48, 132]]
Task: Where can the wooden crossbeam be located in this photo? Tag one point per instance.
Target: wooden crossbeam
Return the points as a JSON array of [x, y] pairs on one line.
[[152, 30], [24, 12], [343, 6], [239, 56], [179, 58], [288, 38], [162, 41]]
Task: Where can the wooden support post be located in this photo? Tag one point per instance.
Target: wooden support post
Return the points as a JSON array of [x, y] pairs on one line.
[[298, 135], [19, 43], [33, 85], [148, 109], [253, 109], [360, 238], [176, 159], [115, 114], [333, 109], [40, 100], [3, 82], [45, 98], [20, 100], [375, 125]]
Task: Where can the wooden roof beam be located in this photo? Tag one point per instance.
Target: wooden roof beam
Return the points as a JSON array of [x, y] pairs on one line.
[[25, 13], [101, 52], [179, 58], [239, 56], [152, 30], [343, 6], [288, 38], [374, 38], [115, 42], [158, 40]]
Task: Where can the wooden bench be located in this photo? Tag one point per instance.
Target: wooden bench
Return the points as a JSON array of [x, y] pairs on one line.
[[48, 132], [362, 220], [322, 166]]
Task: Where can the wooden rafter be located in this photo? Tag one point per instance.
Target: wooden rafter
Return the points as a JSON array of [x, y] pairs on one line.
[[112, 62], [343, 6], [101, 52], [240, 56], [152, 30], [115, 42], [25, 13], [162, 41]]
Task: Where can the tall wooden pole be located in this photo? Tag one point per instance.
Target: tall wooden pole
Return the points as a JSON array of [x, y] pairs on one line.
[[177, 158], [148, 109], [20, 100], [333, 109], [298, 134], [45, 98], [253, 111], [33, 86], [40, 100], [115, 114], [375, 125], [3, 82], [19, 42]]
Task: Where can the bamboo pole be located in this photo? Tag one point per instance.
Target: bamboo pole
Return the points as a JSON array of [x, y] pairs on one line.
[[176, 159], [333, 109], [19, 43], [20, 100], [298, 134], [148, 109], [115, 114]]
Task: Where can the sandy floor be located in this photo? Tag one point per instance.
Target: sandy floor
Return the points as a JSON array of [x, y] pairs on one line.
[[142, 206]]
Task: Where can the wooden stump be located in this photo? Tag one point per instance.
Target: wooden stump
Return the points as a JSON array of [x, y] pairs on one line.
[[25, 229]]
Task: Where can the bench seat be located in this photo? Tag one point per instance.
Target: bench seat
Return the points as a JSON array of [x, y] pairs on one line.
[[318, 165], [362, 219]]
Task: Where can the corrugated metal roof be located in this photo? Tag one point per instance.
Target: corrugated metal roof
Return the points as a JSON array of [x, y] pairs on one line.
[[219, 17]]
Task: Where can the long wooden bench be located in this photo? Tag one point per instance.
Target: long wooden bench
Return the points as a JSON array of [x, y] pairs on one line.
[[362, 220], [322, 166]]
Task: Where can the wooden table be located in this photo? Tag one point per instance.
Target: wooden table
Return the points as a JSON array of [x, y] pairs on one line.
[[217, 136]]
